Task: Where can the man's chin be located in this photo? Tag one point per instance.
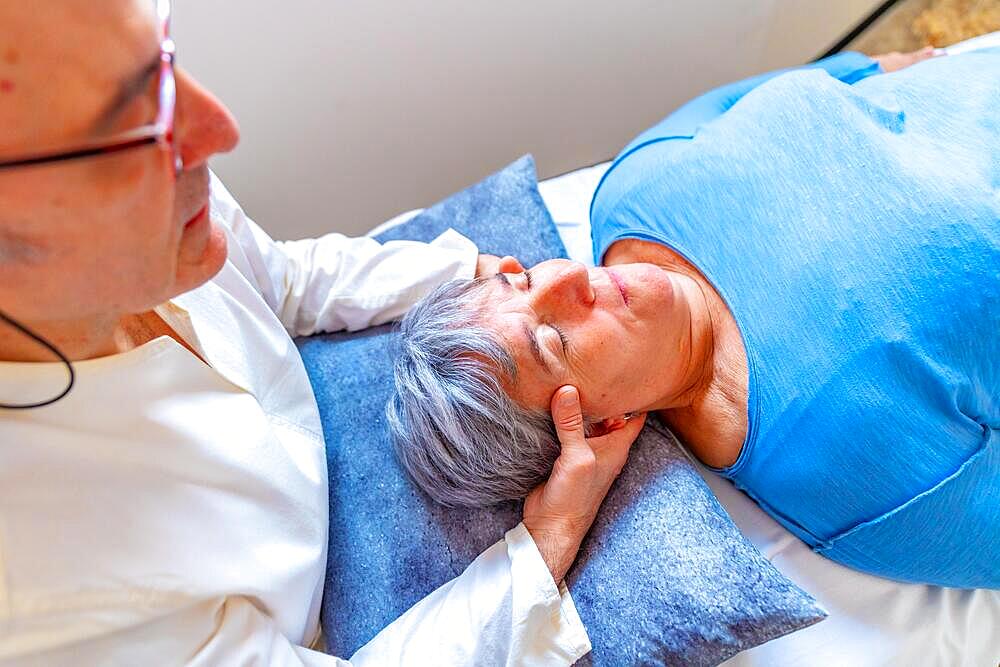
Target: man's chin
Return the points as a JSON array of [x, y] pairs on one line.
[[203, 254]]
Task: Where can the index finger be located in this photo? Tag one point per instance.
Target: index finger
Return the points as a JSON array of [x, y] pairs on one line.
[[568, 417]]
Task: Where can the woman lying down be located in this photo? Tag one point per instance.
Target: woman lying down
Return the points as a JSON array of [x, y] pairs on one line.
[[801, 276]]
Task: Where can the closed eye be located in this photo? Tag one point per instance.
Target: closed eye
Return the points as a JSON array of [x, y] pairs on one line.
[[562, 336]]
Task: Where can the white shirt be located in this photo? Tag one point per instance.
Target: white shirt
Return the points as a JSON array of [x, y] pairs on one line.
[[173, 512]]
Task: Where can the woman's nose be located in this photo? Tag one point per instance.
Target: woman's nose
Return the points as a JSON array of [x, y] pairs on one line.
[[565, 286], [203, 126]]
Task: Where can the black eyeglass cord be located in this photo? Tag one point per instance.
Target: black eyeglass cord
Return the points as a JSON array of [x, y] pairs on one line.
[[62, 357]]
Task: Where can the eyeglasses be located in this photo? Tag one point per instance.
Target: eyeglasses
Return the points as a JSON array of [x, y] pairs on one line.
[[160, 132]]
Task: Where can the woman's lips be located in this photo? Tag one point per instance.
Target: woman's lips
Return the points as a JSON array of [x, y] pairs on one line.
[[617, 280]]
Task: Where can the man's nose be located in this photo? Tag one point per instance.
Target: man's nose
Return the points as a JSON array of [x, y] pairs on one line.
[[203, 125], [566, 288]]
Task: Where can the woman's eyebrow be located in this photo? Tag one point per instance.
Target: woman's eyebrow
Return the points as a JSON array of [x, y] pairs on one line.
[[128, 90]]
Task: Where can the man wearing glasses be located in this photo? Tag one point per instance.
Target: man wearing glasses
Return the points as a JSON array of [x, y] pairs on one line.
[[163, 490]]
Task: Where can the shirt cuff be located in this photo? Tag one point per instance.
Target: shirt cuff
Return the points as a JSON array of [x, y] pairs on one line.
[[561, 636], [466, 252]]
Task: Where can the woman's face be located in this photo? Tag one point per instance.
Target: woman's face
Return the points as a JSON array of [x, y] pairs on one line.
[[621, 335]]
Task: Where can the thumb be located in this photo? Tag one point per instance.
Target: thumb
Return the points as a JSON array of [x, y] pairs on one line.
[[568, 418]]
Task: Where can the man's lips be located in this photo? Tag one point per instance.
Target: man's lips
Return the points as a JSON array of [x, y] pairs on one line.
[[617, 280], [197, 216]]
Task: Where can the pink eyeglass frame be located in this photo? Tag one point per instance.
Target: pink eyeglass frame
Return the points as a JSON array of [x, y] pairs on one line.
[[160, 132]]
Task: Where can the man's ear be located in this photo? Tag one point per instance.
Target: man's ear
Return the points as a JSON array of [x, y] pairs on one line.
[[510, 264]]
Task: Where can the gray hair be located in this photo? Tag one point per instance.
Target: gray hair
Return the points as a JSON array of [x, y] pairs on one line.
[[456, 431]]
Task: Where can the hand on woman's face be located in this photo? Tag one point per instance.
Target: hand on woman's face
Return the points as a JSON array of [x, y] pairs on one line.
[[620, 335]]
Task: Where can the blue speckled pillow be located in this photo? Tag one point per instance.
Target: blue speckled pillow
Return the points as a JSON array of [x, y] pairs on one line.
[[664, 577]]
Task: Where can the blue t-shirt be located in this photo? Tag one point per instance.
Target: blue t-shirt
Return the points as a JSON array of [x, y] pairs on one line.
[[852, 225]]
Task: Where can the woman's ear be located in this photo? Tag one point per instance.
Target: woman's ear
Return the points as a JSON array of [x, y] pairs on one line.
[[606, 425], [510, 264]]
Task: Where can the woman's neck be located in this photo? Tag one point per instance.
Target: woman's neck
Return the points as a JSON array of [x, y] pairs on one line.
[[712, 422], [683, 390], [699, 372], [708, 409]]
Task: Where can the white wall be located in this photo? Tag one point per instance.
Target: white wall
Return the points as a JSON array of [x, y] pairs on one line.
[[354, 111]]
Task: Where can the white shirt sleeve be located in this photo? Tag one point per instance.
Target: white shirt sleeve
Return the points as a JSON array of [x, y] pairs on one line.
[[336, 282], [504, 609]]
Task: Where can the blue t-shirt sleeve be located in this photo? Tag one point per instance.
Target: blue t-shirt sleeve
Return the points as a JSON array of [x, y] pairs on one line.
[[849, 67]]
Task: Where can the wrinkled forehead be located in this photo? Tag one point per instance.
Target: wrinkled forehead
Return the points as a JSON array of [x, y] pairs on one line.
[[61, 61], [508, 318], [494, 309]]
